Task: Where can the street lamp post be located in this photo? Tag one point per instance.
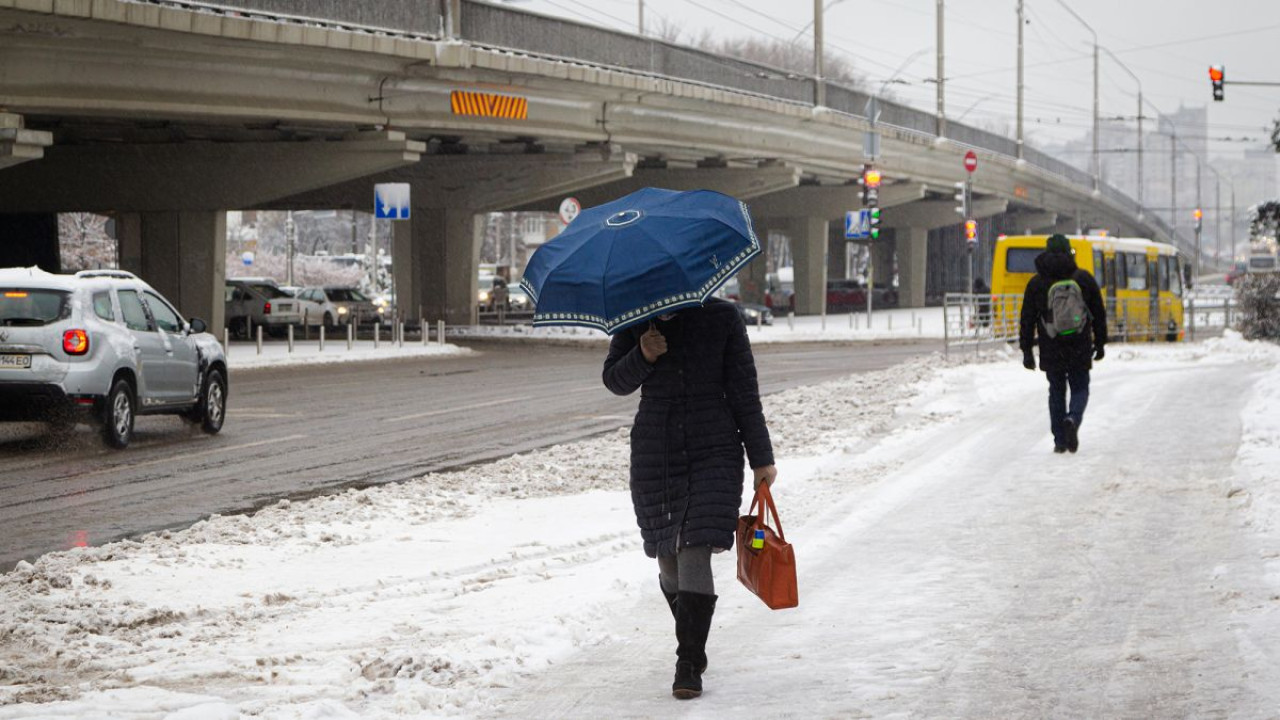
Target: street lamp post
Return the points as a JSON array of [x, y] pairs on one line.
[[1138, 80], [1021, 22], [819, 85], [941, 126], [1096, 164]]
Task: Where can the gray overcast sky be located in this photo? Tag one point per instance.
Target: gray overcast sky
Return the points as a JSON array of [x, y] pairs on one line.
[[1168, 44]]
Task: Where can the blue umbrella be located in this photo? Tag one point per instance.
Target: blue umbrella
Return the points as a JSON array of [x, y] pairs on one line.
[[648, 253]]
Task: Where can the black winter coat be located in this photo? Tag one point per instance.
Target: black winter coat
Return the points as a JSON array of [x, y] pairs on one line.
[[1061, 353], [699, 407]]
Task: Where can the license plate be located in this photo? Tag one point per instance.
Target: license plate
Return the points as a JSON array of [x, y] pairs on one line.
[[20, 362]]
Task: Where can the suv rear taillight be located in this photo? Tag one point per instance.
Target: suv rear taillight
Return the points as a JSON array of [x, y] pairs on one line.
[[75, 342], [266, 309]]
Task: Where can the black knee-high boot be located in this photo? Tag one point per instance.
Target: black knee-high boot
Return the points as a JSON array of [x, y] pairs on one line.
[[672, 602], [693, 624]]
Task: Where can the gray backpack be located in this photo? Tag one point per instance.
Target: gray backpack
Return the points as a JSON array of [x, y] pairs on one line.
[[1067, 315]]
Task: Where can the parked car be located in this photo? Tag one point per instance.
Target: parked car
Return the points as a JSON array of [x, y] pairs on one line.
[[753, 313], [518, 300], [335, 305], [259, 302], [103, 346]]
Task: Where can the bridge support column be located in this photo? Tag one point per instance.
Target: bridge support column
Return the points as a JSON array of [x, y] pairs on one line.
[[181, 254], [882, 252], [751, 279], [809, 256], [436, 256], [913, 251], [28, 239]]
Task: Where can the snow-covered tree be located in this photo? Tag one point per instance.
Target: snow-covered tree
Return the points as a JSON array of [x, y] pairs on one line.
[[1264, 220], [1258, 295], [84, 242]]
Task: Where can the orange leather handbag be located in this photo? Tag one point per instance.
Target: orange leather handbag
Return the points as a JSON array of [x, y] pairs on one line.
[[766, 561]]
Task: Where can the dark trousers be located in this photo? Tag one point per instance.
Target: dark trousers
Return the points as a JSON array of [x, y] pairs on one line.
[[1059, 380]]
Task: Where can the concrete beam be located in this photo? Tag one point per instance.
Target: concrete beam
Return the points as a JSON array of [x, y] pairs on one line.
[[18, 145], [830, 202], [195, 175], [1028, 222], [738, 182], [480, 182], [933, 214], [912, 245]]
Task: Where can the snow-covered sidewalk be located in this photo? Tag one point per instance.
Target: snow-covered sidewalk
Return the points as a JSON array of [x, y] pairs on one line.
[[951, 566], [894, 324], [245, 355]]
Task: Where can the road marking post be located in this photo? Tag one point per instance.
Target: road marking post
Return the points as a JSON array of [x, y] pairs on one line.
[[259, 339], [321, 338], [290, 339], [377, 333], [440, 332], [400, 335], [351, 339]]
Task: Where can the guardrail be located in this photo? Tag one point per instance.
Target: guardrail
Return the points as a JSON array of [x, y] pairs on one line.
[[517, 31], [971, 320]]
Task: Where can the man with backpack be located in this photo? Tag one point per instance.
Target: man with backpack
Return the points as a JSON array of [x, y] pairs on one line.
[[1064, 306]]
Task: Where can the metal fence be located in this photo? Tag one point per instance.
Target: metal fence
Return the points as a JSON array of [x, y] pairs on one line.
[[972, 321]]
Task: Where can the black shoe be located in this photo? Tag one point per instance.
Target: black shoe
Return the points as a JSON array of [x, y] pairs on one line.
[[1059, 449], [688, 683], [1072, 438]]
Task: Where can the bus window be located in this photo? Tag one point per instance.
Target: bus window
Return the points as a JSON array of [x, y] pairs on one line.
[[1021, 260], [1165, 268], [1121, 272], [1098, 273], [1136, 265], [1175, 276]]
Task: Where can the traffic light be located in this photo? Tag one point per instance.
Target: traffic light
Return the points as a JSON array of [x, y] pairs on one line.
[[870, 186], [971, 232], [875, 223], [962, 199], [1217, 76], [1199, 216]]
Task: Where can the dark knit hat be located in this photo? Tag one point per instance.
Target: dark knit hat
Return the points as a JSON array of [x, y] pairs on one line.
[[1058, 243]]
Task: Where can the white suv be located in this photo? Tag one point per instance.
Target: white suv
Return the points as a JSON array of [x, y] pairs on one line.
[[103, 345]]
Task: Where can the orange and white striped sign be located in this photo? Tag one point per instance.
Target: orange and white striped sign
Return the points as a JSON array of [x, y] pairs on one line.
[[489, 105]]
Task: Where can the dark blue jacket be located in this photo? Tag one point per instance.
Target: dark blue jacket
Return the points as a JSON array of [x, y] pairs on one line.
[[699, 408]]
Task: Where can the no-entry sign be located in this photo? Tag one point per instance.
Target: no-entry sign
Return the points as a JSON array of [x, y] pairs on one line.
[[971, 161]]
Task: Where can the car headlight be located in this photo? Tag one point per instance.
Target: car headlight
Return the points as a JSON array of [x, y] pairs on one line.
[[753, 314], [484, 296], [342, 311]]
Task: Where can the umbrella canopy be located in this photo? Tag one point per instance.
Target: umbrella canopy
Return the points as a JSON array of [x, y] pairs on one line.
[[643, 255]]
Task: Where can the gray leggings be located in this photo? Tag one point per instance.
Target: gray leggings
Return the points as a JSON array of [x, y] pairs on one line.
[[689, 570]]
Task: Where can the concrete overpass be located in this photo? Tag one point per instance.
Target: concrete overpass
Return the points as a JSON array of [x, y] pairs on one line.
[[167, 115]]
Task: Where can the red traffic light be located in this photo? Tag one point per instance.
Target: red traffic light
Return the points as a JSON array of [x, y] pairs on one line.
[[1198, 214], [1215, 74], [871, 178], [970, 229]]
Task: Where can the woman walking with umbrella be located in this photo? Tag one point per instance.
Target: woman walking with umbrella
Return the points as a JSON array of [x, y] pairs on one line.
[[699, 407], [643, 269]]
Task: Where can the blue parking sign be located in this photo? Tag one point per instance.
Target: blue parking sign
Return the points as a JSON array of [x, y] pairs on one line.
[[391, 201]]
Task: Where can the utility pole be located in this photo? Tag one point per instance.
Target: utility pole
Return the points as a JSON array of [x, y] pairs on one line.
[[819, 85], [1097, 164], [1233, 221], [1021, 23], [1199, 251], [290, 241], [640, 23], [1217, 222], [941, 128], [1173, 178]]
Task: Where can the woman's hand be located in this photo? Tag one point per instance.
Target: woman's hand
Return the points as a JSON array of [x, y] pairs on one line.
[[652, 344], [766, 475]]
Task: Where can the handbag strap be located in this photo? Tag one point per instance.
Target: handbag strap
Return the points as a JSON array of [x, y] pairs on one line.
[[764, 498]]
